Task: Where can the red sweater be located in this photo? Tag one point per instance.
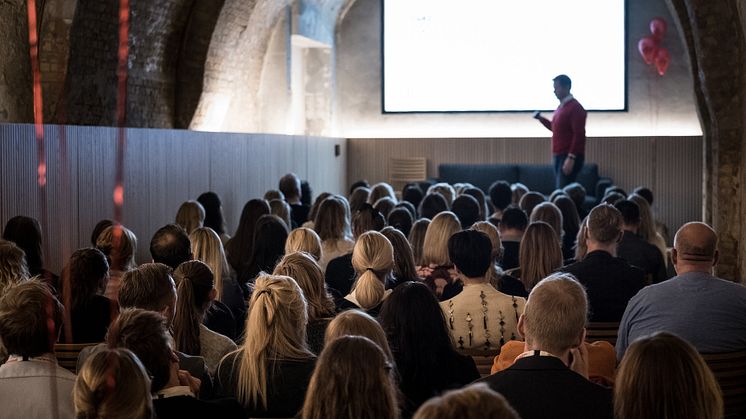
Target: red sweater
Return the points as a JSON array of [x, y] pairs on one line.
[[568, 128]]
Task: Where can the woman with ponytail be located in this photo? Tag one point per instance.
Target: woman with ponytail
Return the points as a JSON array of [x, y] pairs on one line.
[[195, 291], [270, 372], [373, 261]]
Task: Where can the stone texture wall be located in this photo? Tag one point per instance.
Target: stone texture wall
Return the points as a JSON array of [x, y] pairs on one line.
[[16, 97]]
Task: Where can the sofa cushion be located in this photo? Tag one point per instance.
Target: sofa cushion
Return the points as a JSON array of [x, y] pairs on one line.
[[538, 177], [479, 175]]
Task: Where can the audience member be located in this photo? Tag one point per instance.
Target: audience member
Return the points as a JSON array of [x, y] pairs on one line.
[[432, 204], [467, 210], [695, 305], [577, 193], [270, 235], [409, 207], [634, 249], [282, 210], [612, 198], [315, 209], [518, 190], [401, 219], [556, 194], [359, 183], [436, 267], [239, 248], [404, 266], [609, 281], [647, 226], [385, 205], [270, 372], [304, 239], [190, 215], [614, 189], [554, 366], [445, 190], [373, 261], [413, 194], [646, 193], [25, 232], [306, 193], [481, 200], [100, 226], [471, 254], [663, 377], [495, 275], [290, 186], [333, 226], [342, 387], [214, 215], [501, 196], [530, 200], [381, 190], [170, 246], [359, 323], [570, 225], [539, 255], [581, 246], [512, 226], [417, 238], [13, 269], [476, 401], [425, 358], [31, 383], [273, 194], [550, 214], [119, 244], [358, 197]]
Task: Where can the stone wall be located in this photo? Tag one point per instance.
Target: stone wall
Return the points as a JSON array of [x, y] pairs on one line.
[[16, 97]]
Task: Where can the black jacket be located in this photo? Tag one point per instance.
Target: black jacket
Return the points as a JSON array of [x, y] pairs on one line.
[[640, 253]]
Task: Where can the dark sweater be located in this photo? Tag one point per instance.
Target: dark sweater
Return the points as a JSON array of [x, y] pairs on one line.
[[182, 407], [91, 319], [510, 255], [646, 256]]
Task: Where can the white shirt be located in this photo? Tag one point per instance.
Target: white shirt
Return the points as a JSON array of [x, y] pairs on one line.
[[36, 388]]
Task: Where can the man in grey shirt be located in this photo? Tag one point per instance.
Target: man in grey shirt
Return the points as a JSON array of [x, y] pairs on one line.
[[708, 312]]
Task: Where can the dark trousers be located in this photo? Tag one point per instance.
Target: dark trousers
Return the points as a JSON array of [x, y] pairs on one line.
[[563, 180]]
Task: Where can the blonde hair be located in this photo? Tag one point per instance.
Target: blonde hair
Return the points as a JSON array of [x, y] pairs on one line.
[[191, 215], [208, 248], [647, 225], [273, 194], [121, 258], [275, 330], [444, 189], [417, 239], [540, 253], [13, 268], [333, 219], [358, 323], [306, 272], [475, 401], [663, 377], [281, 209], [373, 260], [550, 214], [304, 239], [343, 387], [112, 384], [494, 274], [381, 190], [435, 245], [581, 244]]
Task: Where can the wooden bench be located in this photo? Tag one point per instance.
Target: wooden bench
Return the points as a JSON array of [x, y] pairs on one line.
[[483, 358], [730, 372], [67, 354], [602, 331]]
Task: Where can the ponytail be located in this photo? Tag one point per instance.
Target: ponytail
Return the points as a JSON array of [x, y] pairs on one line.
[[369, 290], [194, 282], [373, 259]]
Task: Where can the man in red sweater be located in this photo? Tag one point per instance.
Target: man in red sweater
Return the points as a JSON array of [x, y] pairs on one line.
[[568, 133]]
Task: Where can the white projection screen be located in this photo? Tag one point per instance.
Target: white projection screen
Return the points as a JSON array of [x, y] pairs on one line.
[[501, 55]]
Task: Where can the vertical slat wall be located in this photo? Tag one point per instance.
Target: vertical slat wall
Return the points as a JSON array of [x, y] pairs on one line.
[[671, 166], [163, 168]]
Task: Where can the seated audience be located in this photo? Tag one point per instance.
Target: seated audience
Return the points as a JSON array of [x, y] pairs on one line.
[[477, 193], [381, 190], [512, 226], [634, 249], [530, 200], [695, 305], [401, 219], [195, 291], [290, 186], [518, 190], [13, 269], [647, 226], [98, 228], [190, 215], [315, 208], [31, 383], [304, 239], [333, 227], [25, 232], [270, 235], [113, 384], [281, 209], [373, 261], [343, 387], [416, 238], [359, 323], [466, 209], [581, 245], [409, 207], [273, 194], [214, 215], [501, 196], [306, 193], [170, 246], [239, 248], [436, 267], [609, 281], [612, 198], [422, 347], [646, 193], [270, 372], [413, 194], [476, 401], [119, 244], [577, 193], [358, 197], [663, 377], [404, 267], [90, 312], [445, 190], [539, 256], [495, 314], [549, 380], [384, 205], [495, 276], [551, 214], [431, 205], [570, 223]]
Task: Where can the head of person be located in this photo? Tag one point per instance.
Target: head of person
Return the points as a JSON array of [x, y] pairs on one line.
[[358, 323], [481, 200], [555, 315], [344, 387], [373, 261], [146, 334], [540, 253], [88, 272], [695, 248], [404, 265], [412, 193], [239, 247], [577, 193], [556, 194], [612, 198], [207, 248], [190, 215], [494, 272], [417, 238], [119, 244], [501, 195], [149, 287], [467, 209], [471, 253], [30, 319], [444, 189], [213, 211], [306, 240], [663, 376], [333, 219], [13, 267], [275, 330], [114, 384], [385, 205], [530, 200], [306, 193], [435, 246], [195, 289], [170, 246], [100, 226], [432, 204], [367, 218], [570, 216], [25, 232], [305, 270], [273, 194], [518, 190], [270, 235], [281, 209], [604, 226], [647, 223], [615, 189], [630, 214], [359, 183], [514, 219], [401, 219], [317, 204], [581, 241], [644, 192], [550, 214], [290, 187], [358, 197], [562, 86], [381, 190], [472, 402]]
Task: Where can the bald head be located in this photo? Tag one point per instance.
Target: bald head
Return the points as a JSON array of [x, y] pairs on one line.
[[695, 244]]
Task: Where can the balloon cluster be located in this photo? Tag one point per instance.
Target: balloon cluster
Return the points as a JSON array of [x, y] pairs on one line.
[[650, 46]]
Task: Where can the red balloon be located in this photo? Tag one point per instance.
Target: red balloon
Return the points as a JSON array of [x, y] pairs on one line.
[[658, 28], [647, 47], [662, 60]]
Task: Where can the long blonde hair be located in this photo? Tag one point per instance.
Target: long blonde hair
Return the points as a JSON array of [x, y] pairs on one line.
[[121, 258], [358, 323], [647, 225], [304, 239], [550, 214], [435, 246], [306, 272], [417, 239], [275, 330], [373, 261], [191, 215], [540, 253], [207, 248], [13, 268]]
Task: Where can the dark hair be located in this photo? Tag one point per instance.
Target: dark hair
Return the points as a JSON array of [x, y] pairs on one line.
[[401, 220], [645, 193], [413, 194], [87, 269], [471, 252], [577, 193], [556, 194], [270, 235], [367, 218], [239, 247], [530, 200], [500, 194], [466, 209], [481, 200], [432, 204], [317, 204], [100, 226], [170, 246], [385, 205], [615, 188], [149, 287], [290, 186], [612, 198], [570, 216], [404, 266], [515, 218], [213, 212], [194, 282], [630, 211], [306, 194], [358, 197], [409, 207], [358, 184], [25, 313], [563, 81], [25, 232]]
